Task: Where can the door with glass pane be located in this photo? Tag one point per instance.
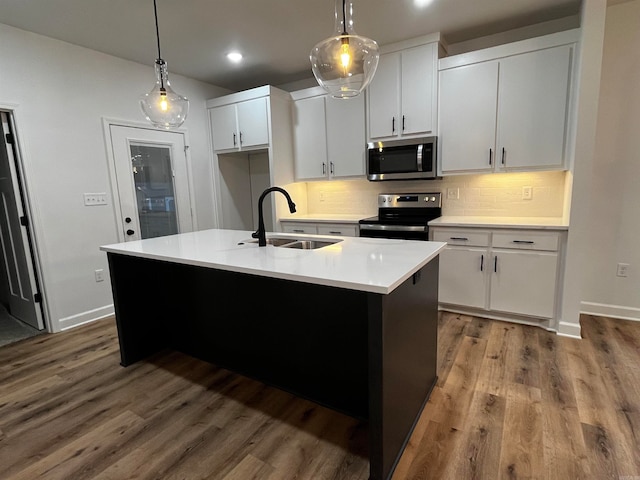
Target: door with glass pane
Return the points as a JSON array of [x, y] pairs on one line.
[[152, 182]]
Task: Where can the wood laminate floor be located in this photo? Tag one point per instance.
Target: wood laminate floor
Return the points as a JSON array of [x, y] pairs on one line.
[[512, 402]]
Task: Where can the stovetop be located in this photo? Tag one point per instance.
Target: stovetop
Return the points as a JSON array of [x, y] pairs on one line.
[[414, 209]]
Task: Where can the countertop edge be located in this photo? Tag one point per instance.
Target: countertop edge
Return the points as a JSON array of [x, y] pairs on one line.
[[282, 275], [496, 224]]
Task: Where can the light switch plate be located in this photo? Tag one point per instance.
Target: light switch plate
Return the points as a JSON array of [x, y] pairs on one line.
[[92, 199], [527, 193]]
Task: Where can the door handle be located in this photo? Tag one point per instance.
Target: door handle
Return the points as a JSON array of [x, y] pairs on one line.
[[130, 232]]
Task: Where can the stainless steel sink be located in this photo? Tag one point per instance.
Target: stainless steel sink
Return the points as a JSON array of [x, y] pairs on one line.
[[310, 244], [296, 243]]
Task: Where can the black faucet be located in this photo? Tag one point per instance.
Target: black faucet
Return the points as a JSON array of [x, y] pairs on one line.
[[260, 234]]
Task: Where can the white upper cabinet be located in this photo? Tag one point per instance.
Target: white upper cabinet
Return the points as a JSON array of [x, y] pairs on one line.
[[329, 136], [240, 126], [402, 95], [509, 113], [532, 108], [468, 99], [346, 146], [310, 139]]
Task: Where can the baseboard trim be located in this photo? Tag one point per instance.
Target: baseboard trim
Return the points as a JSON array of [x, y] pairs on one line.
[[571, 330], [612, 311], [85, 317]]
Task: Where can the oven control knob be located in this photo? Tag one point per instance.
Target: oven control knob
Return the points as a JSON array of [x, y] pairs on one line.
[[426, 199], [433, 199]]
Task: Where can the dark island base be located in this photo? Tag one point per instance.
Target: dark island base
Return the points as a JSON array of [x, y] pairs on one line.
[[368, 355]]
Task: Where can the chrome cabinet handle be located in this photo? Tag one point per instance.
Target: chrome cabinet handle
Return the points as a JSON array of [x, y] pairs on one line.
[[240, 138], [324, 168], [234, 139], [331, 168]]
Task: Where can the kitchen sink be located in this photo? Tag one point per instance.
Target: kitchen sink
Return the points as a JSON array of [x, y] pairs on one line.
[[310, 244], [295, 243]]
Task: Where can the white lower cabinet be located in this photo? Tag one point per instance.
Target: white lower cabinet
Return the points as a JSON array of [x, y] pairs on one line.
[[524, 282], [502, 271], [311, 228]]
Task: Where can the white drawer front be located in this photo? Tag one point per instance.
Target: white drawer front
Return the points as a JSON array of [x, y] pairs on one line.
[[462, 237], [342, 229], [527, 240], [308, 228]]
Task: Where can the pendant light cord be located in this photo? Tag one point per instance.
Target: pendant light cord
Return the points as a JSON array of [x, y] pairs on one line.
[[344, 16], [159, 61], [155, 13]]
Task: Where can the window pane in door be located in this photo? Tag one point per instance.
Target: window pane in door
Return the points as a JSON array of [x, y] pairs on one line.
[[155, 197]]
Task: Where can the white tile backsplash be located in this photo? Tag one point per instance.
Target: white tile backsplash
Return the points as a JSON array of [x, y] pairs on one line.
[[498, 194]]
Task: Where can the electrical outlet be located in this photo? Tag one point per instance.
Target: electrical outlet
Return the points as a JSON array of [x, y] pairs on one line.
[[623, 270], [322, 196], [99, 275], [453, 193], [527, 193]]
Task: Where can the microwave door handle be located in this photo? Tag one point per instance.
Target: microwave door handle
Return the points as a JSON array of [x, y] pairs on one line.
[[419, 157]]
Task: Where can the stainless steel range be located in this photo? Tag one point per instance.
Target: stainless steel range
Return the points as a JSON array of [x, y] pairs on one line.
[[403, 215]]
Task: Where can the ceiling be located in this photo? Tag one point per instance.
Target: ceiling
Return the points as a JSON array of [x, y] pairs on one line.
[[275, 36]]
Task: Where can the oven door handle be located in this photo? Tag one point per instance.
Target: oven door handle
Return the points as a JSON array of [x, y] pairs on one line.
[[393, 228]]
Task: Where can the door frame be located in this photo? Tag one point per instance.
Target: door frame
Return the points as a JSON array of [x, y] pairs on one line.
[[113, 182], [30, 206]]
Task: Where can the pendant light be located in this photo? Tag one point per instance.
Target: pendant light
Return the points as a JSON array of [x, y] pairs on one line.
[[163, 107], [345, 63]]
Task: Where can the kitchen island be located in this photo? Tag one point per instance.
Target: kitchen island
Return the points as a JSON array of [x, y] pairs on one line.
[[352, 325]]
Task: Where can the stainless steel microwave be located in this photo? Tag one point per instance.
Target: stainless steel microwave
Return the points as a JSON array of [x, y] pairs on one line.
[[402, 159]]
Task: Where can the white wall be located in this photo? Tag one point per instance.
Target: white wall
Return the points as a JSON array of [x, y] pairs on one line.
[[615, 211], [579, 182], [62, 92]]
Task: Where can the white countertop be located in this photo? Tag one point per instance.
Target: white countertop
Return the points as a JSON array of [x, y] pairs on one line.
[[539, 223], [326, 218], [366, 264]]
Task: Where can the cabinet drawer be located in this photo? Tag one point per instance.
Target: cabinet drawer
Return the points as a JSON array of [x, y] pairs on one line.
[[308, 228], [462, 237], [527, 240], [342, 229]]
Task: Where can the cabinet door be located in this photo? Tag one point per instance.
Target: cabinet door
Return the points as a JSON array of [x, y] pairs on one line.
[[463, 276], [384, 98], [417, 90], [253, 123], [310, 138], [223, 124], [468, 105], [345, 136], [532, 108], [524, 282]]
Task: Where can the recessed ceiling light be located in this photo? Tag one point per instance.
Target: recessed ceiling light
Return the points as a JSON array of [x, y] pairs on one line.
[[234, 57], [422, 3]]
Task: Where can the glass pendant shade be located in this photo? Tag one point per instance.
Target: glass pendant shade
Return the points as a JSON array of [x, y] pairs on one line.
[[163, 107], [345, 63]]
